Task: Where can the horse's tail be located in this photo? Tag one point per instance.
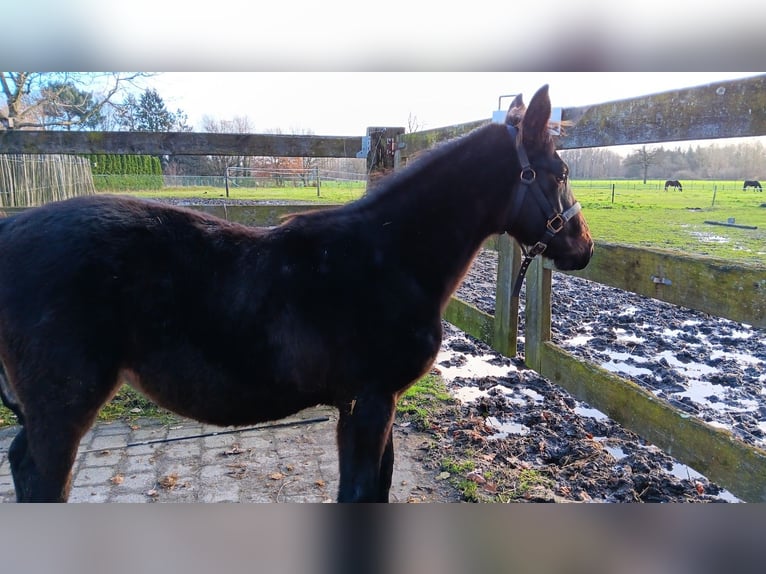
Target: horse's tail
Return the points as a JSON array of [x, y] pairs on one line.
[[7, 395]]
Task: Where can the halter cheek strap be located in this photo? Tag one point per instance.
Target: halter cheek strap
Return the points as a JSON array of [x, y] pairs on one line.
[[555, 221]]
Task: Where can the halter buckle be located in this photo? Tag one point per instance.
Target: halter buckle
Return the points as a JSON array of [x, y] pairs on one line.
[[537, 249], [556, 223]]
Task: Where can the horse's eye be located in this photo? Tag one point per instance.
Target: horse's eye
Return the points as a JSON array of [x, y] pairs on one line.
[[562, 178]]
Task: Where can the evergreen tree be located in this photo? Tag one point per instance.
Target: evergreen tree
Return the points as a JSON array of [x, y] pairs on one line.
[[67, 106]]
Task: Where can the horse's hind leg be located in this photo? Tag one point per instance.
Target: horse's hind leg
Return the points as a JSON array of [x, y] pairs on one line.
[[365, 448]]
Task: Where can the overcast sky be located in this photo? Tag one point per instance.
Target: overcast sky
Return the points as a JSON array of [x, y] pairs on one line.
[[346, 103]]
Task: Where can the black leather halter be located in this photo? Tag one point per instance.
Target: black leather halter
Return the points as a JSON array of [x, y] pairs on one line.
[[555, 220]]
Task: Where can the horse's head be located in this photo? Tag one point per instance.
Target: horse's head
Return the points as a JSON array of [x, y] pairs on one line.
[[544, 214]]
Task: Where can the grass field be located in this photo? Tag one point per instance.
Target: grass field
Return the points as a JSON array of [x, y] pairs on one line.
[[646, 215], [330, 192], [633, 213]]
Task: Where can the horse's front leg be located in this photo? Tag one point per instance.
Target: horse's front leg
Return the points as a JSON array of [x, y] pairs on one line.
[[365, 448]]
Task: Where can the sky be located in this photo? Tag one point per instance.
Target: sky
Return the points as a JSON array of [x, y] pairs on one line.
[[346, 103]]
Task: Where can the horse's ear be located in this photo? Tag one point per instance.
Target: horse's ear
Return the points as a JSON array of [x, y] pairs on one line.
[[515, 111], [535, 123]]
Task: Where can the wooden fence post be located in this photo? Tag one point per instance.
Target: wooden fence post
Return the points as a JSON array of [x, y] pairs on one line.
[[384, 144], [537, 314], [506, 307]]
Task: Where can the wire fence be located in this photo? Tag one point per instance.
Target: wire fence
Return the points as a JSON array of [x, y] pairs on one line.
[[31, 180]]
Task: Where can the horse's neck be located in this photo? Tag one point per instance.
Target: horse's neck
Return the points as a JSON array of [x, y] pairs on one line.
[[443, 210]]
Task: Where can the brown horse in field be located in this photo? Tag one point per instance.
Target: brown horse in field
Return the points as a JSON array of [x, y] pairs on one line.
[[674, 183], [234, 325]]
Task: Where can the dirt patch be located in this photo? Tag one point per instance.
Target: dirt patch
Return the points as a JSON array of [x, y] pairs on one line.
[[523, 440]]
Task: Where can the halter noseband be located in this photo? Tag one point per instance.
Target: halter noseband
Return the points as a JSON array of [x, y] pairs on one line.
[[555, 221]]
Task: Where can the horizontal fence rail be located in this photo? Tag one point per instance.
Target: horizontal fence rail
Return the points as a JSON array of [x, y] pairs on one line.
[[179, 143]]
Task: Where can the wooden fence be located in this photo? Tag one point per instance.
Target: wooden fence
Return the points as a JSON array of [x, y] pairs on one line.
[[720, 288], [720, 110]]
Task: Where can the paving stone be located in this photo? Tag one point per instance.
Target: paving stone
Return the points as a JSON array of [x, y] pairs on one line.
[[294, 463]]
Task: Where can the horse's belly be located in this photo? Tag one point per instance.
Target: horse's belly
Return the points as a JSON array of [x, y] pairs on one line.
[[220, 400]]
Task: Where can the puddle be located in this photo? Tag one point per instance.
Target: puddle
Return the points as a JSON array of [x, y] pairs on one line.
[[690, 370], [474, 367], [625, 368], [616, 452], [578, 341], [584, 411], [505, 428], [624, 337]]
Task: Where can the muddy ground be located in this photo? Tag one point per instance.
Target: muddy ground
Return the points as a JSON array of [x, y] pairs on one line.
[[524, 438]]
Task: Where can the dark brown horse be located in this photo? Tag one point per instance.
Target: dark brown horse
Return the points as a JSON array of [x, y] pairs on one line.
[[754, 183], [674, 183], [235, 325]]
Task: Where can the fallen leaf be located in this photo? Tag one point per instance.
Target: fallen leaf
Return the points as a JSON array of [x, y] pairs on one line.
[[443, 476], [320, 483], [117, 479], [289, 467], [476, 477], [103, 453], [234, 450], [153, 493], [276, 476], [236, 471], [169, 481], [700, 488]]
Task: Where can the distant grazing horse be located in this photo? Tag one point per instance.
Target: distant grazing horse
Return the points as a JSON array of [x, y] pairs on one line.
[[235, 325], [673, 183], [756, 185]]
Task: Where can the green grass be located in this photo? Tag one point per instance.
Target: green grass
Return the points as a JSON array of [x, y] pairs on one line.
[[645, 215], [330, 192], [423, 399], [127, 405], [636, 214]]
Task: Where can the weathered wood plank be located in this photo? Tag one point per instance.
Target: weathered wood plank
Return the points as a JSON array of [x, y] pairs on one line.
[[419, 141], [178, 143], [718, 287], [735, 108], [506, 307], [468, 318], [537, 312], [714, 452]]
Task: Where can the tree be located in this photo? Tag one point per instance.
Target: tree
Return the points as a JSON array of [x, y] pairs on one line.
[[149, 114], [32, 100], [237, 125], [152, 115], [69, 107], [643, 158]]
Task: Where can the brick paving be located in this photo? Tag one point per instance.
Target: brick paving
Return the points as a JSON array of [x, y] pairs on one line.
[[294, 460]]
